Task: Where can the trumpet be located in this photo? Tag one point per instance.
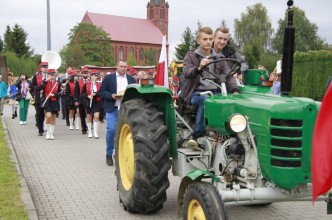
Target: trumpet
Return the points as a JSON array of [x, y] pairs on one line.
[[32, 101]]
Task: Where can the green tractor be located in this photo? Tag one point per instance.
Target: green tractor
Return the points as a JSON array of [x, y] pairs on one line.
[[257, 149]]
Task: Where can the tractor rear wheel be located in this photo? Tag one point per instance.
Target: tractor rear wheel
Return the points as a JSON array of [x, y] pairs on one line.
[[202, 201], [141, 157]]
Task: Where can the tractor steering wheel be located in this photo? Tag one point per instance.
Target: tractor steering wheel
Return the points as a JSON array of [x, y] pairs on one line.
[[236, 68]]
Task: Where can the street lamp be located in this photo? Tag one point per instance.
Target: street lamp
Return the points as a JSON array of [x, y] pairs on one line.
[[48, 26]]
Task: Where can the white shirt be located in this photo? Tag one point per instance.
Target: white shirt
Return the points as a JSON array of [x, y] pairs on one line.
[[121, 85], [93, 87], [279, 67]]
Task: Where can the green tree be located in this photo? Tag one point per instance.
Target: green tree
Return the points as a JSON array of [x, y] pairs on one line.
[[94, 42], [223, 23], [306, 37], [150, 56], [15, 41], [131, 60], [254, 27], [72, 56], [252, 52], [195, 35], [36, 58], [1, 45], [269, 60], [19, 65], [187, 44], [8, 39]]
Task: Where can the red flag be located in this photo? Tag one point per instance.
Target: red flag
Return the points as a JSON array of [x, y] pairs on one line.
[[321, 157], [162, 73]]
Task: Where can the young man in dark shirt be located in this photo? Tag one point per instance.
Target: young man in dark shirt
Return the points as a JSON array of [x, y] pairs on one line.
[[193, 84]]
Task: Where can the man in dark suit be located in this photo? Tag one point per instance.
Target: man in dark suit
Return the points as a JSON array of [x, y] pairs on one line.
[[112, 85]]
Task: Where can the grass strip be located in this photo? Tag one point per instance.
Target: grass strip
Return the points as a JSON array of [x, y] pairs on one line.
[[11, 205]]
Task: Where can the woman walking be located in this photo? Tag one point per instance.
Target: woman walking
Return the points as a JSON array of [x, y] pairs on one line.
[[23, 86], [12, 94], [93, 103], [71, 99], [50, 102]]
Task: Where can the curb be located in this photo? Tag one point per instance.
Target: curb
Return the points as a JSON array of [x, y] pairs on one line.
[[25, 193]]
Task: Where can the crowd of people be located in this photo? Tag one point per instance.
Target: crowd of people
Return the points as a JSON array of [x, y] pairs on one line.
[[84, 98], [87, 97]]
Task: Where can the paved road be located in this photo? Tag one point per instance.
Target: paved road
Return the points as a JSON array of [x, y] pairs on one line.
[[68, 179]]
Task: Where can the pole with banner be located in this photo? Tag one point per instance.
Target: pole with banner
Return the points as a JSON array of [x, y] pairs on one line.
[[162, 70]]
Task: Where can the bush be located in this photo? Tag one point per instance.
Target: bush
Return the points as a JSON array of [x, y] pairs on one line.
[[20, 65], [310, 74]]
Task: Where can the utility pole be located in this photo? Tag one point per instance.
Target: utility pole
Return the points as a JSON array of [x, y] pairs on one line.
[[48, 27]]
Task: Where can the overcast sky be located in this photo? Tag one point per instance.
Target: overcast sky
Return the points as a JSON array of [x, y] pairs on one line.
[[65, 14]]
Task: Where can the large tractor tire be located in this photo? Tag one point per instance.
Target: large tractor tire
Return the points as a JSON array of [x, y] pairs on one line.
[[202, 201], [141, 157]]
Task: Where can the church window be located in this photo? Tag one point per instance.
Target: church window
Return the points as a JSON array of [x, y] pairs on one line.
[[141, 54], [162, 15], [131, 51], [151, 14], [121, 53]]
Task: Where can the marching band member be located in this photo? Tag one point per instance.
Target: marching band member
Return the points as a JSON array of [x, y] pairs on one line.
[[52, 90], [38, 93], [174, 86], [102, 112], [93, 102], [79, 99], [70, 98]]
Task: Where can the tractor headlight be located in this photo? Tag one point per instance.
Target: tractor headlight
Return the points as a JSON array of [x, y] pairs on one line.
[[237, 123]]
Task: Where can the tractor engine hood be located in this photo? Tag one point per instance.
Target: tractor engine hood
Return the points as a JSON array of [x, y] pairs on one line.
[[282, 126]]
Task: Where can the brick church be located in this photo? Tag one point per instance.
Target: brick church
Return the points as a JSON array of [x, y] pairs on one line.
[[134, 35]]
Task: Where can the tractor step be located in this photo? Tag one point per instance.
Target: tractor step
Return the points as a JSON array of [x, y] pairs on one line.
[[191, 153], [329, 204]]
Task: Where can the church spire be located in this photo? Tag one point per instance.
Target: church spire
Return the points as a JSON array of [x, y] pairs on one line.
[[157, 12]]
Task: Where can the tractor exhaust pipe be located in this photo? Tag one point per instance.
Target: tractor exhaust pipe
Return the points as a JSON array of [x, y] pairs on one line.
[[288, 53]]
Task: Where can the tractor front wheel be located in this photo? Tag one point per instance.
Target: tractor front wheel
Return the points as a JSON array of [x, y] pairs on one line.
[[141, 157], [202, 201]]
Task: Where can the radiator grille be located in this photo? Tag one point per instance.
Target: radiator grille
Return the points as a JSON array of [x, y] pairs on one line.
[[286, 143]]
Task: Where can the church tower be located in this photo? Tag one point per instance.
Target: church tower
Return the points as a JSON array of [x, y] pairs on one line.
[[157, 12]]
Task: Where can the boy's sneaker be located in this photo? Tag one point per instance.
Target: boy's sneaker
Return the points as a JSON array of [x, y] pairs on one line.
[[192, 144]]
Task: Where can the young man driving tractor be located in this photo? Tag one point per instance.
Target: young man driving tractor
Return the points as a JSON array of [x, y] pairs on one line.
[[196, 66]]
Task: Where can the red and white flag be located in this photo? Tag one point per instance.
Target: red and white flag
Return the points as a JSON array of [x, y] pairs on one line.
[[162, 71], [321, 155]]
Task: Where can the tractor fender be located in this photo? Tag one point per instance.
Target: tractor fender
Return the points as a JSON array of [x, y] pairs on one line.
[[193, 176]]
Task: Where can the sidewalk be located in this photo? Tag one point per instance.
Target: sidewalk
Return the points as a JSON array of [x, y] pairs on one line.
[[68, 178]]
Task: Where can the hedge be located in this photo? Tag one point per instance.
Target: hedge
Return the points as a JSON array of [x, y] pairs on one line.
[[310, 74]]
